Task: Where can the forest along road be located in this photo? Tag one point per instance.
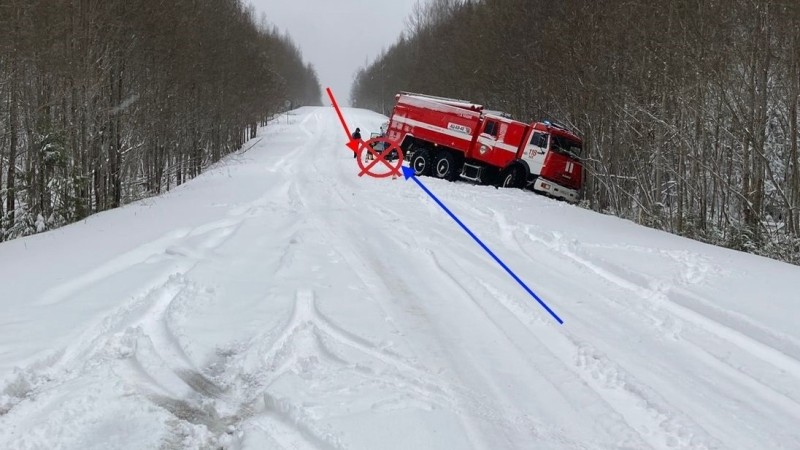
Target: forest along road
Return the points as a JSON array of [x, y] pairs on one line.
[[281, 301]]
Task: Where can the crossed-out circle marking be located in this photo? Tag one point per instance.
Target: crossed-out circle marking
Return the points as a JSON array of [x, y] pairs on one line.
[[380, 158]]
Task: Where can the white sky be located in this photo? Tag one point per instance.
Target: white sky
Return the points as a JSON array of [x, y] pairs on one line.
[[338, 36]]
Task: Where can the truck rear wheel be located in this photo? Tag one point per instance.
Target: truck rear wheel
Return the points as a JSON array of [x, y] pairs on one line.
[[445, 166], [421, 162], [511, 178]]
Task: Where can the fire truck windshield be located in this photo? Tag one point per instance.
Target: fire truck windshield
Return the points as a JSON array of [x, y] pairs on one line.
[[564, 145]]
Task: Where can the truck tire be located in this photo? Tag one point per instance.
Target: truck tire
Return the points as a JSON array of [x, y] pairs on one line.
[[511, 178], [421, 162], [445, 166]]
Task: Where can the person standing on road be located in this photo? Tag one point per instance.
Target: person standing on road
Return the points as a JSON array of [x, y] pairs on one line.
[[356, 136]]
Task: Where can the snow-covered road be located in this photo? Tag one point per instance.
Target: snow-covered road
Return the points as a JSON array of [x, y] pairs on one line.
[[281, 301]]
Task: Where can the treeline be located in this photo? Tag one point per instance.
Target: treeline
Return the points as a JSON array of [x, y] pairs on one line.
[[688, 108], [106, 101]]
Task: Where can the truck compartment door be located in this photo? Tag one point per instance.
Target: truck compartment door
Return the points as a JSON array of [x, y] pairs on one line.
[[486, 139]]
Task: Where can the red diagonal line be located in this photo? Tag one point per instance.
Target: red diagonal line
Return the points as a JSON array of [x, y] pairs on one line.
[[339, 113], [378, 158], [392, 169]]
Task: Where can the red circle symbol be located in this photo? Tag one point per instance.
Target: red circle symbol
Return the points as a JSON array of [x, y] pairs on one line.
[[368, 147]]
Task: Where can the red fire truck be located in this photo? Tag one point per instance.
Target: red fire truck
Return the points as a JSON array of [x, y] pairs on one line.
[[450, 138]]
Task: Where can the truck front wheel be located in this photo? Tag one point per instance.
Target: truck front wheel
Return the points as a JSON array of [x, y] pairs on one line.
[[445, 167], [421, 162]]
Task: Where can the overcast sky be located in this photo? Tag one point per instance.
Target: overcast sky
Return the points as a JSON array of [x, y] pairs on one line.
[[338, 36]]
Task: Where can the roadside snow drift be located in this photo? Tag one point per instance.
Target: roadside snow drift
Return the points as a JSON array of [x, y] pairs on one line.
[[282, 301]]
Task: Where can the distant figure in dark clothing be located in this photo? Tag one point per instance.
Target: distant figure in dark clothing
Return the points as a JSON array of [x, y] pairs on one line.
[[356, 136]]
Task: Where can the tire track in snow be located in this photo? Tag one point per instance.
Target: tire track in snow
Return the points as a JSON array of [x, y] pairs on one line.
[[476, 407], [182, 259], [309, 336], [471, 406], [638, 427], [640, 407], [154, 338], [310, 339], [306, 313], [212, 235], [614, 419], [154, 363], [461, 398], [674, 430], [168, 242], [170, 373], [312, 347], [668, 324], [377, 286], [137, 334], [660, 303], [464, 402], [291, 428], [677, 314], [780, 342], [763, 379]]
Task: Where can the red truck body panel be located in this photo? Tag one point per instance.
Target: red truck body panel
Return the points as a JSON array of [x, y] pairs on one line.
[[437, 122]]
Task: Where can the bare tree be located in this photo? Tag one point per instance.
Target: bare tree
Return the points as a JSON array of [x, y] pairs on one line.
[[104, 102]]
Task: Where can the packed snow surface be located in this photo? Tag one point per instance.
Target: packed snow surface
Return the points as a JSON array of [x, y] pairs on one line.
[[282, 301]]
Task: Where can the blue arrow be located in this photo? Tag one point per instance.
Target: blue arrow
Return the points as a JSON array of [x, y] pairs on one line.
[[408, 172]]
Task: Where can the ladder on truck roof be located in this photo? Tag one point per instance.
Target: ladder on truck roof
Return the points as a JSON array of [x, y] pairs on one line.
[[448, 101], [498, 113]]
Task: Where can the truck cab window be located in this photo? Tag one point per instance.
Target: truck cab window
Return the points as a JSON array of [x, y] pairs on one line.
[[539, 140], [491, 128], [566, 146]]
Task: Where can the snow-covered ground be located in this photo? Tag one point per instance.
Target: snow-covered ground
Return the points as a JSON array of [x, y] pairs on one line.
[[281, 301]]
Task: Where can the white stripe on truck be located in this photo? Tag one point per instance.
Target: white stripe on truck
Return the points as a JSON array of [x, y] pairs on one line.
[[455, 134], [429, 127]]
